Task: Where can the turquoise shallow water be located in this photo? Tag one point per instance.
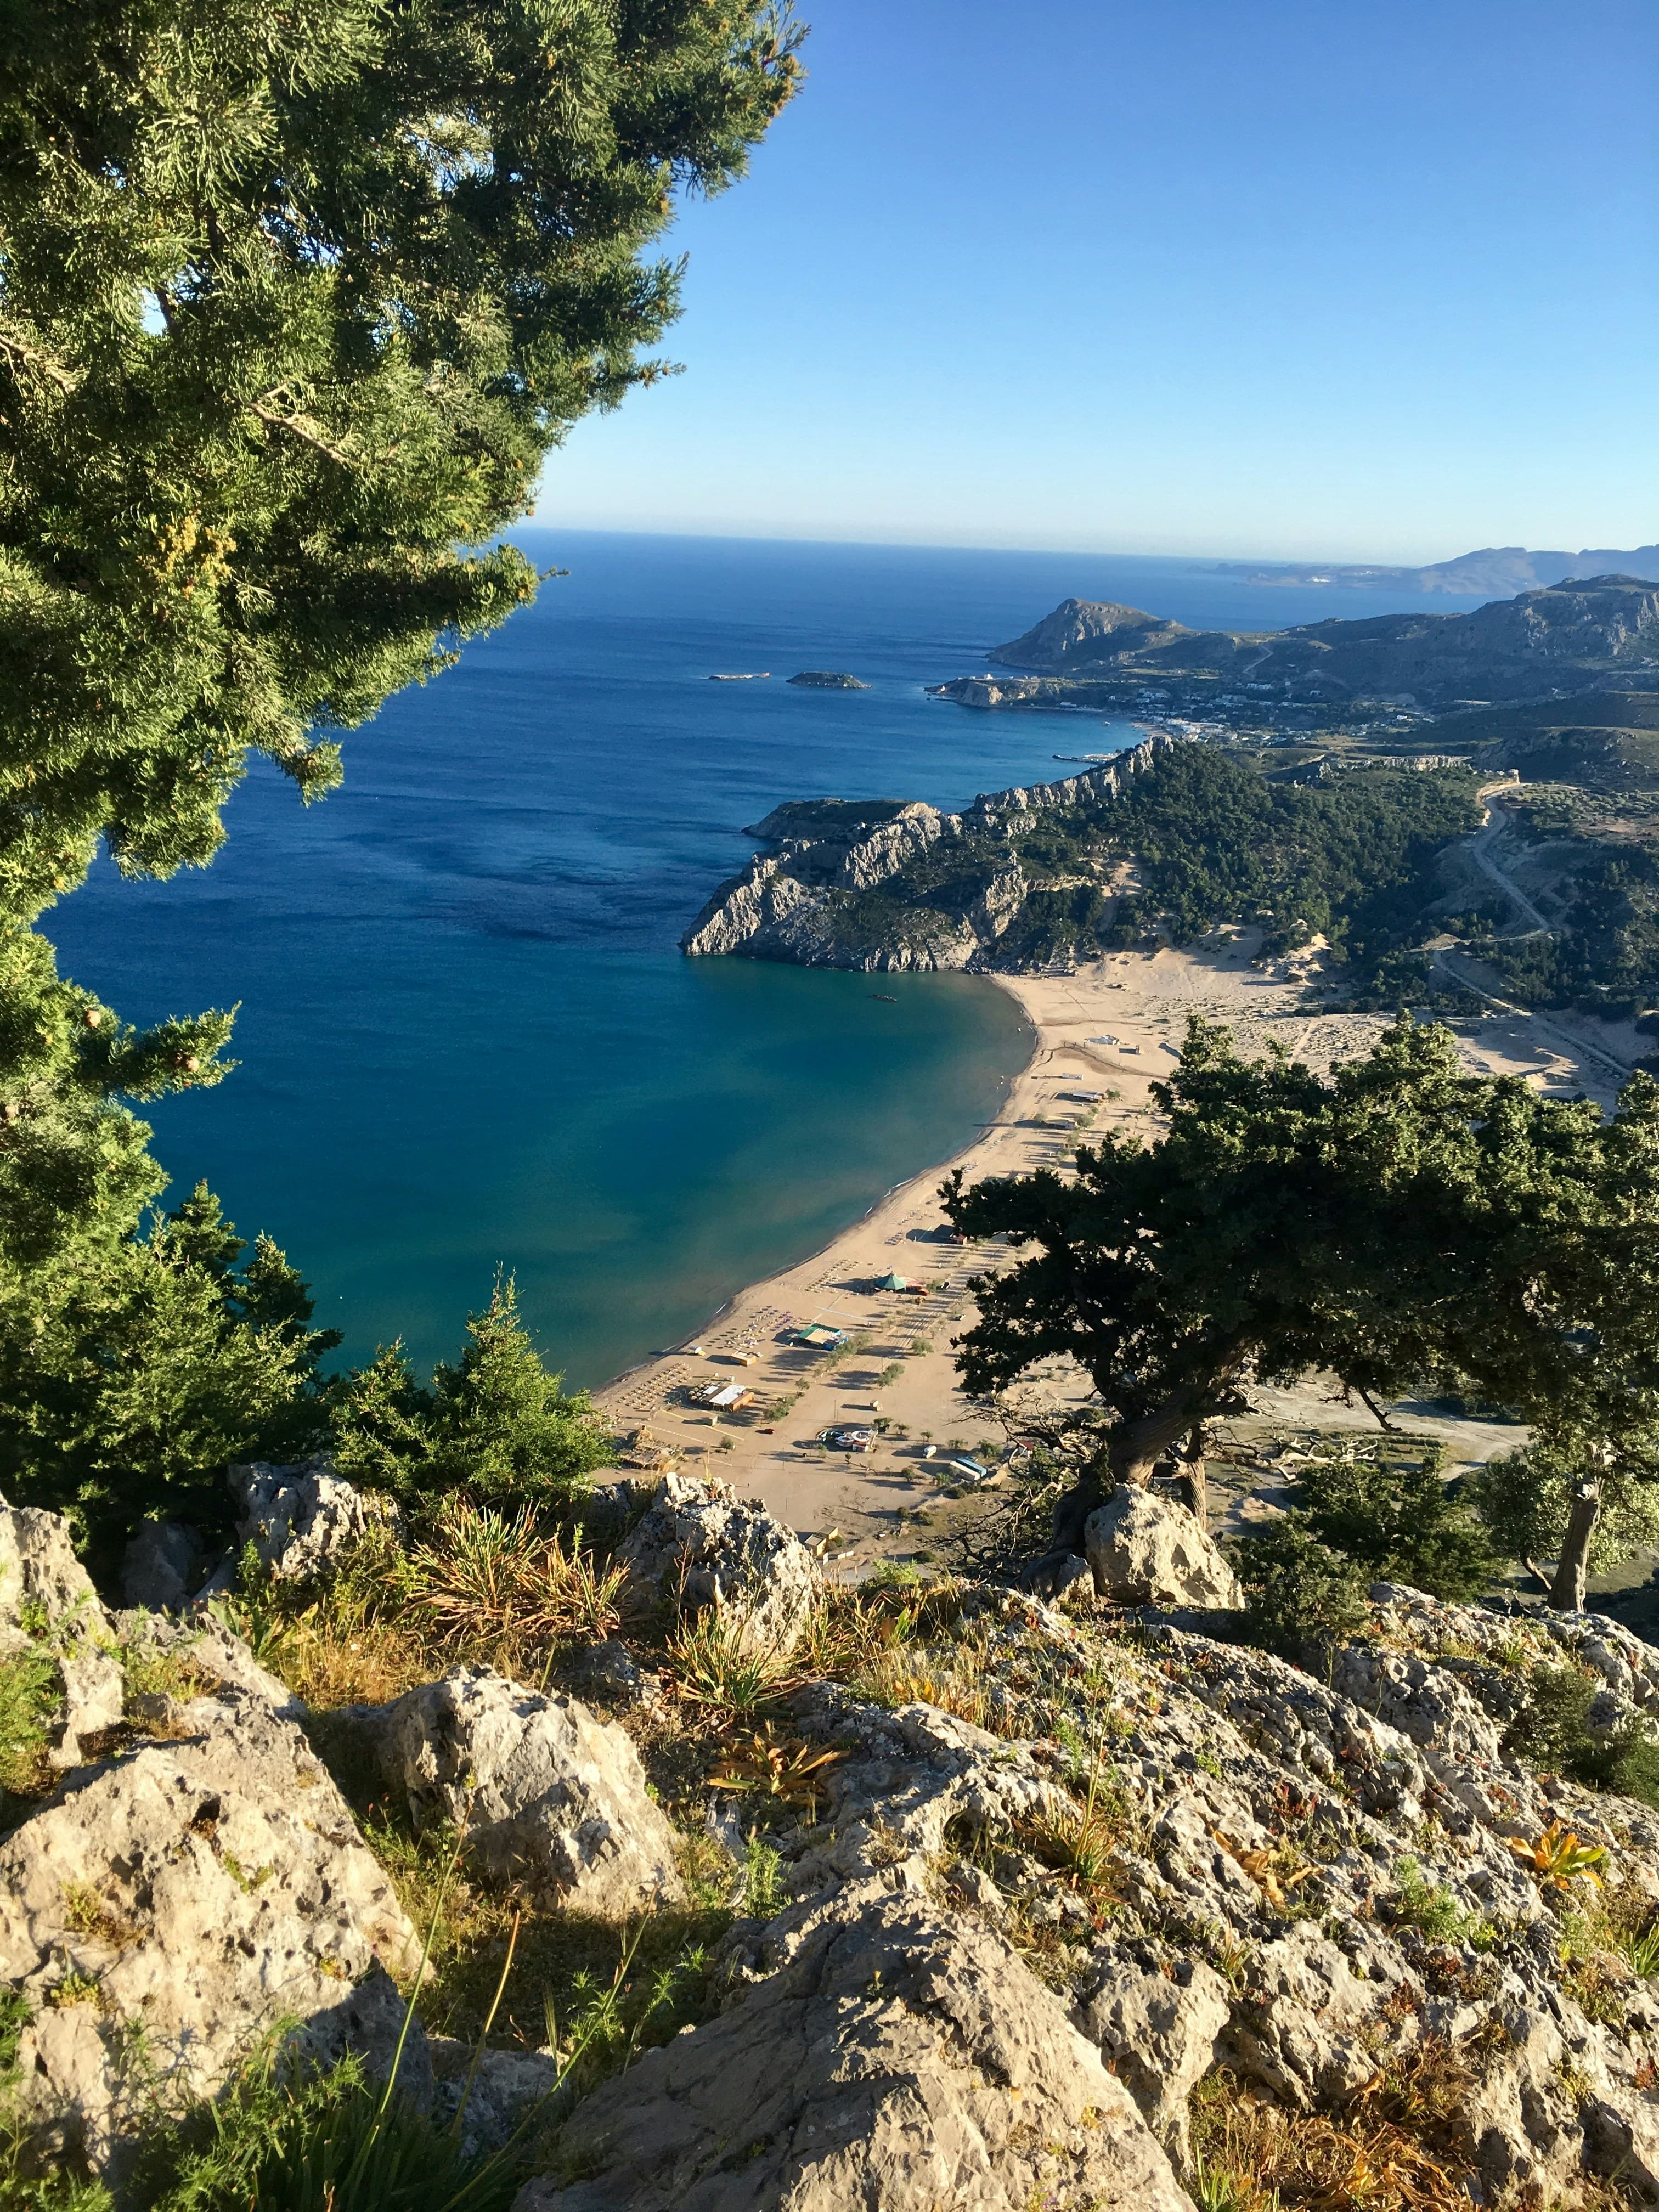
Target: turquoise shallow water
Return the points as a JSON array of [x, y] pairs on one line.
[[467, 1038]]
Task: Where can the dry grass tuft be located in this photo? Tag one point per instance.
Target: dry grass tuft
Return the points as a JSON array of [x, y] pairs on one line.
[[1078, 1840], [717, 1667], [777, 1770], [496, 1590], [1251, 2157], [488, 1581]]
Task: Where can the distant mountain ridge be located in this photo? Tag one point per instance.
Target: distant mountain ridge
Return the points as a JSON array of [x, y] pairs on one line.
[[1565, 637], [1500, 571]]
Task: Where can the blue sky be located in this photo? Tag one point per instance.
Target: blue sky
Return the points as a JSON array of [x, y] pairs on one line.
[[1343, 278]]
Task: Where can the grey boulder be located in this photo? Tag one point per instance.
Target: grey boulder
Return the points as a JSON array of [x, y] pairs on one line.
[[550, 1796], [300, 1519], [161, 1566], [1150, 1551], [489, 2097], [1157, 2032], [897, 2060], [701, 1545], [201, 1890]]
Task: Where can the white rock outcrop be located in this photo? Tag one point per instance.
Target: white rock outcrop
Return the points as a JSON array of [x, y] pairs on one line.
[[43, 1586], [550, 1796], [1152, 1551], [48, 1604], [799, 902], [897, 2060], [202, 1888], [1158, 2033], [299, 1519], [700, 1544]]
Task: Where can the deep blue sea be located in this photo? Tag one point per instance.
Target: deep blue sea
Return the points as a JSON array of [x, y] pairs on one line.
[[466, 1039]]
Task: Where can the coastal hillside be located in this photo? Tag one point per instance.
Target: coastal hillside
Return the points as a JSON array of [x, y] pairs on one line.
[[1516, 861], [1170, 838], [1566, 638]]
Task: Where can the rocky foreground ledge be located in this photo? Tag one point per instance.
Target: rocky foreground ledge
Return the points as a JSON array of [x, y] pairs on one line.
[[1074, 1906]]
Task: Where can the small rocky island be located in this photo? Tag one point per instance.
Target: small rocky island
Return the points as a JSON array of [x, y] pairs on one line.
[[827, 679]]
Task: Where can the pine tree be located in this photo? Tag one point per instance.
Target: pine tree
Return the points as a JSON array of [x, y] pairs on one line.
[[495, 1424], [1397, 1223], [295, 301]]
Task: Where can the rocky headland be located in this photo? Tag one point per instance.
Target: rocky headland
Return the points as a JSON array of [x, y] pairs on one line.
[[1573, 636], [1497, 569], [890, 885]]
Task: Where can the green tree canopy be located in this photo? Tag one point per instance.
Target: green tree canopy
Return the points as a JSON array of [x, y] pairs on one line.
[[294, 302], [145, 1374], [1397, 1224], [494, 1424]]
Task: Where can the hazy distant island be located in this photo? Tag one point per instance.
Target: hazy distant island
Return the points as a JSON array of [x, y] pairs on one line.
[[1495, 569], [1310, 783], [826, 679]]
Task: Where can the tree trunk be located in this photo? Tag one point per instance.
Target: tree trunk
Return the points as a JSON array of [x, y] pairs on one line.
[[1133, 1449], [1567, 1592], [1196, 1473]]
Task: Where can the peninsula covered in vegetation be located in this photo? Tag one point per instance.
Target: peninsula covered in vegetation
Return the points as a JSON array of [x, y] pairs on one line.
[[1277, 788]]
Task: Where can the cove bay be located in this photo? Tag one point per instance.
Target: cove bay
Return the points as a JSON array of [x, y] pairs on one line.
[[467, 1040]]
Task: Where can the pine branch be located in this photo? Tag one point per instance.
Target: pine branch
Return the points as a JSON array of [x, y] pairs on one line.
[[28, 356], [303, 427]]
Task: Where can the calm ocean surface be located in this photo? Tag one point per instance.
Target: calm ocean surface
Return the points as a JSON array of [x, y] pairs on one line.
[[467, 1038]]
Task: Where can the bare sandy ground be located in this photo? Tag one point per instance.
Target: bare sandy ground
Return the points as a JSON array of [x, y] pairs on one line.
[[1112, 1027]]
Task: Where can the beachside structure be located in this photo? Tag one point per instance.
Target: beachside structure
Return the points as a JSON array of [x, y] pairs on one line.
[[725, 1397], [818, 1336]]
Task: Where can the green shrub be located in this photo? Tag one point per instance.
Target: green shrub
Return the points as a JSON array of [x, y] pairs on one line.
[[151, 1364], [1551, 1733], [1433, 1909], [1299, 1594], [288, 2140], [1398, 1523], [495, 1425], [28, 1691]]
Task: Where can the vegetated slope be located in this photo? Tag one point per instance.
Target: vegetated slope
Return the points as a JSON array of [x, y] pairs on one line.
[[1172, 838], [1561, 638], [1606, 741], [1586, 813]]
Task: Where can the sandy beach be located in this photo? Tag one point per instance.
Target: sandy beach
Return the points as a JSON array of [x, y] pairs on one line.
[[1112, 1029]]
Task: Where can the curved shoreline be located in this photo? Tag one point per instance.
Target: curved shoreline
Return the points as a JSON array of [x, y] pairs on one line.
[[823, 1253], [1112, 1029]]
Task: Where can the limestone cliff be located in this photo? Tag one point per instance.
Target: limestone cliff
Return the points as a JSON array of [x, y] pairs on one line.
[[884, 887]]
